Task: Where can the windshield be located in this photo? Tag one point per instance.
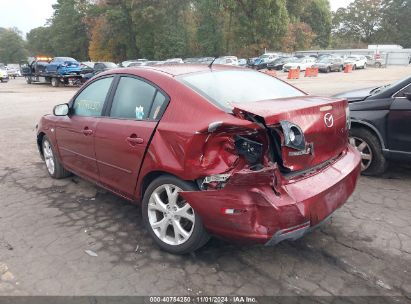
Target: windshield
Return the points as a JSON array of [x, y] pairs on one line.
[[281, 60], [325, 60], [224, 87], [297, 60]]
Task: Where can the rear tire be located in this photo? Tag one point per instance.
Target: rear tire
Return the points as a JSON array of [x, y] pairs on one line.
[[55, 82], [365, 66], [367, 143], [53, 165], [169, 219], [354, 67]]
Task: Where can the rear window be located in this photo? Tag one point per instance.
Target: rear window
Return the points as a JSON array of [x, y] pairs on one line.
[[224, 87]]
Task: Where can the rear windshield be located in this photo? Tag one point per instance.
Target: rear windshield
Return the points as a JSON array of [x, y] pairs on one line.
[[224, 87]]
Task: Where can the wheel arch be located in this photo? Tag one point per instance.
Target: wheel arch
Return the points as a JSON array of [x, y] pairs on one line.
[[40, 137], [369, 127], [149, 178]]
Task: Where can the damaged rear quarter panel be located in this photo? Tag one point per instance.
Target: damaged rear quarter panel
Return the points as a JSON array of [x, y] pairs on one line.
[[183, 147]]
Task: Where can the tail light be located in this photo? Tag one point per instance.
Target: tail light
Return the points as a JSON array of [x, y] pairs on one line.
[[347, 117], [250, 149], [293, 135]]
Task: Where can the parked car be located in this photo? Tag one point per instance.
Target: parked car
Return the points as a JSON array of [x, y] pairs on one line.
[[278, 64], [206, 60], [299, 63], [63, 66], [174, 60], [192, 60], [242, 62], [225, 151], [357, 61], [329, 64], [322, 56], [376, 60], [13, 70], [262, 61], [104, 66], [153, 62], [99, 67], [250, 61], [128, 62], [87, 67], [4, 76], [226, 60], [137, 63], [381, 128]]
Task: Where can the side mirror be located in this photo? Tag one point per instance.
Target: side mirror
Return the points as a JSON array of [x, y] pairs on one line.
[[408, 95], [61, 109]]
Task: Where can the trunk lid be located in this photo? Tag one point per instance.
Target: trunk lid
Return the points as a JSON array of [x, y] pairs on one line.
[[322, 121]]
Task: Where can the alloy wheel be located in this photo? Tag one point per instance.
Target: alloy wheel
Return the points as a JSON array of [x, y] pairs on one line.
[[170, 216], [365, 151], [48, 157]]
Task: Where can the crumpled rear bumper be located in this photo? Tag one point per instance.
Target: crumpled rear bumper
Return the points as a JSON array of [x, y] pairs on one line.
[[268, 216], [294, 233]]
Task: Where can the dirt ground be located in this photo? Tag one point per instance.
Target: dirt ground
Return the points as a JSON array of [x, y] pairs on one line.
[[46, 226]]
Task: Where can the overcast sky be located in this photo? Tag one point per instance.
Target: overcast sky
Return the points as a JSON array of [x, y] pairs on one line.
[[28, 14]]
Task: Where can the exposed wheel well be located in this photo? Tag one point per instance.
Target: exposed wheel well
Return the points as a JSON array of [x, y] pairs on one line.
[[149, 178], [356, 124]]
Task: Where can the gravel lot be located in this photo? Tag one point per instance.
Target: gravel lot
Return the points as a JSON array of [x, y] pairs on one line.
[[46, 226]]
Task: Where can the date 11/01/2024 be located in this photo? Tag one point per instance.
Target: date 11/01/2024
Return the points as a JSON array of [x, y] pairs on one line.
[[204, 299]]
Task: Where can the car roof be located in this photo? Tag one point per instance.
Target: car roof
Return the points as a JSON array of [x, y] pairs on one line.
[[180, 69]]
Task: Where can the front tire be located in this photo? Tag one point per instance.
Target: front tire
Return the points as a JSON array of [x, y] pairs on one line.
[[169, 219], [373, 162], [53, 165]]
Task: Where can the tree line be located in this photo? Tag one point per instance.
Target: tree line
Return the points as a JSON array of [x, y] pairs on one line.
[[115, 30]]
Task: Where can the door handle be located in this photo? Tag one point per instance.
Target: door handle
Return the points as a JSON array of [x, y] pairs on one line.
[[134, 140], [86, 131]]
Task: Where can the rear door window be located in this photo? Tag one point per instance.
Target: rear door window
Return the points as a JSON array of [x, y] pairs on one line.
[[138, 100]]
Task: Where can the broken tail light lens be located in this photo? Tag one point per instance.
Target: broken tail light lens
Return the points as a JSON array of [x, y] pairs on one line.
[[251, 150], [293, 135], [347, 117]]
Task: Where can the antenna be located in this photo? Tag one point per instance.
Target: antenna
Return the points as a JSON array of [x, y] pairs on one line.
[[211, 63]]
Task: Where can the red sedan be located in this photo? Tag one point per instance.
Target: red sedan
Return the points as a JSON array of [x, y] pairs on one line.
[[216, 150]]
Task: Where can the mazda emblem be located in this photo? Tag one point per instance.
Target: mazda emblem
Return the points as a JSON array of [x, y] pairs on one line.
[[329, 120]]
